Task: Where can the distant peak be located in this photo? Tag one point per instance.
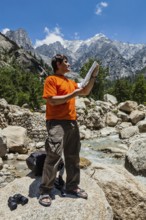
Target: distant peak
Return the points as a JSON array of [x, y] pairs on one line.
[[100, 35], [95, 38]]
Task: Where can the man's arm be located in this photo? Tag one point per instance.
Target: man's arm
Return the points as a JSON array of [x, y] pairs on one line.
[[57, 100]]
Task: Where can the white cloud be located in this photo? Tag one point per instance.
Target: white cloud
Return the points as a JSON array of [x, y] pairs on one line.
[[100, 6], [104, 4], [4, 31], [98, 11], [51, 37]]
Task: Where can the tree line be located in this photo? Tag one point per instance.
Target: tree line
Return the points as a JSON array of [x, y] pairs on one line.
[[128, 88], [19, 87]]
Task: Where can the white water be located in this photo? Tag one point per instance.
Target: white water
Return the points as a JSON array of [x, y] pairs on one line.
[[101, 157]]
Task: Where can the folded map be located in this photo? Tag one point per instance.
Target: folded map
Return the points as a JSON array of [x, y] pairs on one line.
[[88, 75]]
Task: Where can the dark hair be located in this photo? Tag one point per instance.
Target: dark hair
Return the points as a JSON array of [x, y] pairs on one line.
[[57, 58]]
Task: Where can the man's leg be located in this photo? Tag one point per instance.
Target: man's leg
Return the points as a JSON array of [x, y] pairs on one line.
[[71, 154], [54, 146], [71, 151]]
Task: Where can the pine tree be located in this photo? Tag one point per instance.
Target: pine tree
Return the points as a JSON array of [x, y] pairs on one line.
[[139, 89], [122, 90]]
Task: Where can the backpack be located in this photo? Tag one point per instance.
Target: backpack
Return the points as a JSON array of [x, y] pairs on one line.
[[35, 163]]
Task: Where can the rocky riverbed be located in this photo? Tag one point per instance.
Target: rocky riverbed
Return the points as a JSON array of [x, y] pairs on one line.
[[113, 138], [102, 150]]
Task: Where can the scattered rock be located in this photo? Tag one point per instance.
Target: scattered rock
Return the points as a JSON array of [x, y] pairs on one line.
[[84, 162]]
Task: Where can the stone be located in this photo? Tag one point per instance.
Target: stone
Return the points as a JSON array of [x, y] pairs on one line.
[[106, 106], [135, 160], [3, 103], [84, 162], [128, 132], [136, 116], [128, 106], [107, 131], [40, 145], [110, 98], [62, 208], [142, 126], [125, 194], [22, 157], [111, 119], [123, 116], [16, 139]]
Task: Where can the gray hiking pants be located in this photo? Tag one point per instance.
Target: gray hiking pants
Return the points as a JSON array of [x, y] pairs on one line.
[[63, 137]]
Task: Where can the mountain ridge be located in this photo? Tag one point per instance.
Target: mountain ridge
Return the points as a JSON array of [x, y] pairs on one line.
[[122, 59]]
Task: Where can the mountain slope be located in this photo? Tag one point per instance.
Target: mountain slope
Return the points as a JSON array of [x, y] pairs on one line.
[[11, 54], [21, 38], [122, 59]]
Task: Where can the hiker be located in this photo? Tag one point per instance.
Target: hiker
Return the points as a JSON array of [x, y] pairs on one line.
[[63, 131]]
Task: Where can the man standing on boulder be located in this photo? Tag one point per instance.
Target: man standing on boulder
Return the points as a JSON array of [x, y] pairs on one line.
[[63, 131]]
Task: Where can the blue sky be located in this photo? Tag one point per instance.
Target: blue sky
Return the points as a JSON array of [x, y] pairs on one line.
[[48, 20]]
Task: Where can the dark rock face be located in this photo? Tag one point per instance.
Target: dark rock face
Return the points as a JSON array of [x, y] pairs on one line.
[[21, 38], [11, 53]]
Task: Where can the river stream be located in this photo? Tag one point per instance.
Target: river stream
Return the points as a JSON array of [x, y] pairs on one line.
[[89, 150]]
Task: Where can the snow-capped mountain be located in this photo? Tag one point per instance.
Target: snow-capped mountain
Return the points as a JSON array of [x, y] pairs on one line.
[[123, 59]]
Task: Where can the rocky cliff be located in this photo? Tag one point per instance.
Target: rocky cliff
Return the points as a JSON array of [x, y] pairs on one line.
[[13, 55]]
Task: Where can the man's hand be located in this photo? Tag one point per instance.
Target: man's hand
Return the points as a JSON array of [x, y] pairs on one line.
[[96, 70]]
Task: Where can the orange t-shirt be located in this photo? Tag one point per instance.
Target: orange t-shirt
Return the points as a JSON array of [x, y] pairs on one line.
[[56, 86]]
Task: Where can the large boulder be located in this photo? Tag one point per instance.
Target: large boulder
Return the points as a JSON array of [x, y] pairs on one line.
[[129, 132], [136, 116], [128, 106], [62, 208], [125, 194], [16, 139], [124, 117], [135, 160], [142, 126], [111, 119]]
